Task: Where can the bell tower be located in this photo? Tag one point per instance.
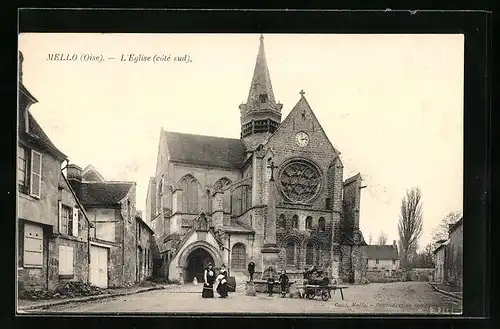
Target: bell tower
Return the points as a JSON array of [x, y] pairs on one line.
[[260, 115]]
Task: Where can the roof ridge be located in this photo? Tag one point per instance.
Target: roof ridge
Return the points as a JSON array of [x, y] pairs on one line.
[[110, 182], [191, 134]]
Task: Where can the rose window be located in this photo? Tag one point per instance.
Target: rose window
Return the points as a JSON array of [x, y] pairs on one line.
[[300, 181]]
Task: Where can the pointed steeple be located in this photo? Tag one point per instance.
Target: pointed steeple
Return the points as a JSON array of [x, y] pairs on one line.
[[261, 90], [261, 105]]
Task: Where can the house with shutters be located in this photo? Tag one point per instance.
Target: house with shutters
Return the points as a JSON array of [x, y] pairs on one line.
[[382, 260], [121, 244], [52, 225]]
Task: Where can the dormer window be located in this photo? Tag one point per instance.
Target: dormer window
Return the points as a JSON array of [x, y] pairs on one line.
[[263, 98]]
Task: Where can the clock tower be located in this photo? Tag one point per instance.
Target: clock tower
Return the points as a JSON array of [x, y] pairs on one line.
[[260, 116]]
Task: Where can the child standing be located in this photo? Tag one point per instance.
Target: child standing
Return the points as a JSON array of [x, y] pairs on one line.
[[283, 283], [270, 285]]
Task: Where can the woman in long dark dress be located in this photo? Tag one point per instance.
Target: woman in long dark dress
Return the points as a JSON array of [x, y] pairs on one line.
[[222, 283], [208, 286]]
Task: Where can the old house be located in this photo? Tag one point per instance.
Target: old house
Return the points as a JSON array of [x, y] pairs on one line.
[[144, 235], [449, 257], [440, 274], [110, 206], [275, 195], [52, 225], [382, 261], [456, 247]]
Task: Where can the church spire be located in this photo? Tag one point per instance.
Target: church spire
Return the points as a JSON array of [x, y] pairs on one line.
[[261, 103]]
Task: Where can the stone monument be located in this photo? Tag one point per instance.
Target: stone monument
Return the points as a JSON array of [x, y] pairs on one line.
[[270, 249]]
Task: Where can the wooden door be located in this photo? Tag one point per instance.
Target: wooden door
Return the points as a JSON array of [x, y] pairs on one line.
[[103, 267], [99, 266]]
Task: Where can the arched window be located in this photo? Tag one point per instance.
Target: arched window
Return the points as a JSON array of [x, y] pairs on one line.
[[241, 200], [321, 224], [238, 256], [189, 186], [309, 222], [310, 253], [209, 202], [219, 184], [290, 253], [281, 221], [295, 221]]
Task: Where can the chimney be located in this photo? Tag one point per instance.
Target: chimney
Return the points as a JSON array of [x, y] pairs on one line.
[[20, 68], [395, 244], [74, 172]]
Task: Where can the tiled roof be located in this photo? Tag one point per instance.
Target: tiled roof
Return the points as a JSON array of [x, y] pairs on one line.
[[381, 252], [205, 150], [442, 244], [455, 225], [100, 194]]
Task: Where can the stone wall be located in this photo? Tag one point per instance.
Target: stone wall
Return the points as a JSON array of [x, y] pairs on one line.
[[33, 277], [455, 254], [46, 210], [129, 243], [147, 243], [319, 150]]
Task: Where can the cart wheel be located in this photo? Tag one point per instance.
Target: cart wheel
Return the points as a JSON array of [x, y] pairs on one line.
[[310, 296], [324, 295]]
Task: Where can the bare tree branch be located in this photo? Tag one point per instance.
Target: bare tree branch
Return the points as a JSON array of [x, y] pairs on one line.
[[382, 239]]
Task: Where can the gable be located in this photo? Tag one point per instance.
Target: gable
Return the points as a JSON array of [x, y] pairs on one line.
[[302, 119], [162, 156], [90, 174]]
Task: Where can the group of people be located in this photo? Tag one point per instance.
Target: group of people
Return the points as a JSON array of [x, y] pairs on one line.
[[283, 280], [210, 278]]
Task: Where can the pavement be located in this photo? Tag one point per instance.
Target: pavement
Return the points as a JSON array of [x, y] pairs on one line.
[[373, 298]]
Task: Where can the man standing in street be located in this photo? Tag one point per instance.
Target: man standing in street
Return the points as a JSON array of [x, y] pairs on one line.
[[251, 269]]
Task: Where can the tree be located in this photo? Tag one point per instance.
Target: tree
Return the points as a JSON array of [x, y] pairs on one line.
[[410, 224], [370, 238], [440, 232], [382, 239]]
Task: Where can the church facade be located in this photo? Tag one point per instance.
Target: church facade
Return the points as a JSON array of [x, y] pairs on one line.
[[276, 196]]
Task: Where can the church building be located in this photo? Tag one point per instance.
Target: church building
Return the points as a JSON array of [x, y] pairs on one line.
[[276, 196]]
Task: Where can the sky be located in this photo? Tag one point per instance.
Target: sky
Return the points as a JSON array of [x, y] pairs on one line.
[[391, 104]]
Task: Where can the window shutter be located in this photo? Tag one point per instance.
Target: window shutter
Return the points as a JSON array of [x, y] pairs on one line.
[[69, 260], [62, 260], [36, 174], [76, 220], [60, 216], [65, 260]]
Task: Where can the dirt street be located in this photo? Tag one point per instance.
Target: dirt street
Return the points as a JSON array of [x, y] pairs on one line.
[[399, 297]]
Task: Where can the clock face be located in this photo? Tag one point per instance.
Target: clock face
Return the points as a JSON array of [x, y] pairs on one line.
[[302, 139]]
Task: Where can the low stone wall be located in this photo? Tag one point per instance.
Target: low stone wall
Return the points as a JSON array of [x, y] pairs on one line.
[[380, 276]]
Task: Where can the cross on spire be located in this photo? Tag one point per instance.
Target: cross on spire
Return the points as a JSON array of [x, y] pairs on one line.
[[272, 167], [302, 93]]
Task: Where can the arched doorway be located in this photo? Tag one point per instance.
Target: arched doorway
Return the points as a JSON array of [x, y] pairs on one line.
[[197, 261]]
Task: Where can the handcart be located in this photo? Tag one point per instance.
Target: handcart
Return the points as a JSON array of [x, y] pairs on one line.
[[311, 291]]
